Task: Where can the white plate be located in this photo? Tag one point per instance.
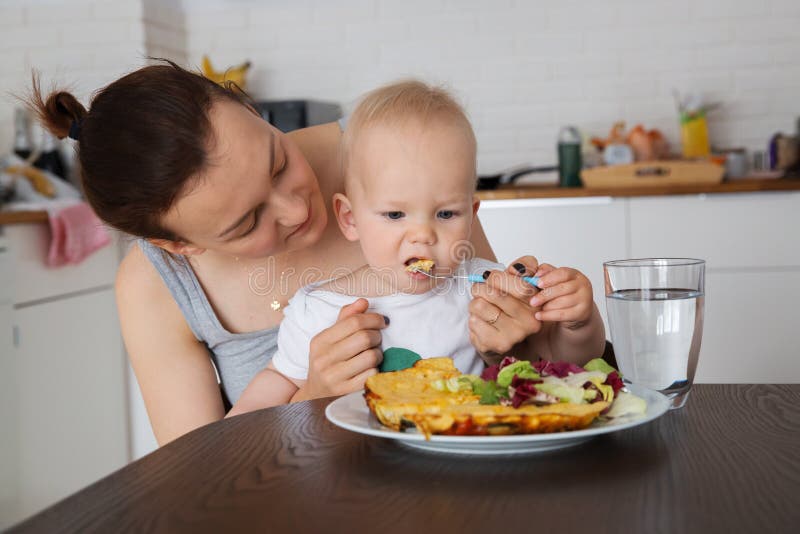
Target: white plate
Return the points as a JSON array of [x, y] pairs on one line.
[[351, 413]]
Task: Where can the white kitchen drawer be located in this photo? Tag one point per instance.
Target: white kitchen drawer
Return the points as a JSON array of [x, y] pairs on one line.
[[751, 324], [757, 230], [71, 400], [33, 280]]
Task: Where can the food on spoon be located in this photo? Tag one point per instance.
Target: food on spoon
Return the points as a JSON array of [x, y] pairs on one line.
[[420, 265], [514, 397]]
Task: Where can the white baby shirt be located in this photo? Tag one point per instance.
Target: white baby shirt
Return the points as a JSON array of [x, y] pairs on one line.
[[431, 324]]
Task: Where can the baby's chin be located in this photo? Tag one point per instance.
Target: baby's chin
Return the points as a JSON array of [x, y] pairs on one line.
[[417, 287]]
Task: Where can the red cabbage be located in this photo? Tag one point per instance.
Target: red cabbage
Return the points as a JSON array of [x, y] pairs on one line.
[[524, 390], [557, 369], [613, 379], [491, 372]]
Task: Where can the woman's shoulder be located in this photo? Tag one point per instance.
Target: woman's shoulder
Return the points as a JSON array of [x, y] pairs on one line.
[[320, 145], [138, 280]]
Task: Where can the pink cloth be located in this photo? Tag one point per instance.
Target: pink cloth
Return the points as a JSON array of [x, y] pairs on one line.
[[76, 232]]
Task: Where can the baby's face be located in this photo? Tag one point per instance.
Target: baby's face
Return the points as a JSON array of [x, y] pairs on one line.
[[412, 197]]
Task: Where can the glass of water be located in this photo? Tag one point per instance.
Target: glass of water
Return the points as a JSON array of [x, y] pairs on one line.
[[655, 314]]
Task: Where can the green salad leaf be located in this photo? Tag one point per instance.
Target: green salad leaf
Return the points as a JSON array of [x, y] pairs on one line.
[[522, 369]]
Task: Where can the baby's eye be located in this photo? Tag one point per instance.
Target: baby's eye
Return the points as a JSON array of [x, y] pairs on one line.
[[446, 214], [394, 215]]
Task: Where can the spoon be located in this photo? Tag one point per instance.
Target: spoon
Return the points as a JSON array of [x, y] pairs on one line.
[[474, 278]]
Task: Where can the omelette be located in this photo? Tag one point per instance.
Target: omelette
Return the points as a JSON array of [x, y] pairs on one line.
[[420, 265], [436, 398]]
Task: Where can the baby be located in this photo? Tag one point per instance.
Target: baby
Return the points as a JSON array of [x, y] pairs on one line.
[[409, 157]]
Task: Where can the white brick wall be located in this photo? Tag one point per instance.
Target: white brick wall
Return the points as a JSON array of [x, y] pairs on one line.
[[165, 30], [525, 68], [522, 68], [80, 44]]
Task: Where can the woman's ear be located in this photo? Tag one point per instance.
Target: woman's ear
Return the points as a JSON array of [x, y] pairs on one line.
[[344, 216], [177, 247]]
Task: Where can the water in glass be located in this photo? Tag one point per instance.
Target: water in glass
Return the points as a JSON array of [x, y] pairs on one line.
[[656, 335]]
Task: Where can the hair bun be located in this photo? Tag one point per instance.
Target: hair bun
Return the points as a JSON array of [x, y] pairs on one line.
[[58, 112]]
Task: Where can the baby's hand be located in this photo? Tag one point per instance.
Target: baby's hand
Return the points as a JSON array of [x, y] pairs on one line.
[[565, 296]]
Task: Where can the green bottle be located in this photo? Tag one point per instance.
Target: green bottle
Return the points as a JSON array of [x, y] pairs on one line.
[[569, 157]]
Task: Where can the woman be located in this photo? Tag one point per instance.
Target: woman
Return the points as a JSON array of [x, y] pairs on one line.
[[233, 216]]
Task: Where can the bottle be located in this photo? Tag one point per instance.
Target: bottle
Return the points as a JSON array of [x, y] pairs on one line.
[[50, 159], [569, 157], [22, 135]]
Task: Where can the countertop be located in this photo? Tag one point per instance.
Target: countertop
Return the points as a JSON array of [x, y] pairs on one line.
[[548, 191], [19, 217], [737, 186]]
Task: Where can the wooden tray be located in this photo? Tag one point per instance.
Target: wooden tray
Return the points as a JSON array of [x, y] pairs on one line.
[[654, 173]]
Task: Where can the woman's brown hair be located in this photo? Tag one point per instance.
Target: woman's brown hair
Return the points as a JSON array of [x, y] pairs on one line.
[[142, 139]]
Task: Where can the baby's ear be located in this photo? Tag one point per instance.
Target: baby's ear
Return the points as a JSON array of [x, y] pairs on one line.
[[475, 205], [344, 216]]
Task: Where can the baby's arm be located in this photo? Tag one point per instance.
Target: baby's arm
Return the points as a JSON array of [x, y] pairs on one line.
[[268, 388], [566, 306]]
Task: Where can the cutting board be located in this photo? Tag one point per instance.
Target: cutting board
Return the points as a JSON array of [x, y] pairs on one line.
[[653, 173]]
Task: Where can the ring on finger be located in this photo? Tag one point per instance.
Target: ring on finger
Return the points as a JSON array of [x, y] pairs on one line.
[[495, 318]]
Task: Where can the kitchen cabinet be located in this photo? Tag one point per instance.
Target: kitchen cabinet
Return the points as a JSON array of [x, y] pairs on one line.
[[71, 372], [750, 245], [751, 327], [574, 232], [749, 241], [732, 232], [9, 445], [64, 409]]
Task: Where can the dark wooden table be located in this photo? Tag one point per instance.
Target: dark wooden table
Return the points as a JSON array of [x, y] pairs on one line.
[[727, 462]]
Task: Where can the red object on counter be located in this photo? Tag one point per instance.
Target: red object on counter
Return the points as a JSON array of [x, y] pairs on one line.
[[76, 232]]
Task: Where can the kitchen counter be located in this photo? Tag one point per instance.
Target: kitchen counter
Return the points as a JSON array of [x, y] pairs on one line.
[[18, 217], [548, 191]]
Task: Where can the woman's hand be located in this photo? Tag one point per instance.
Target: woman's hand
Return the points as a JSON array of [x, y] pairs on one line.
[[343, 356], [565, 297], [501, 315]]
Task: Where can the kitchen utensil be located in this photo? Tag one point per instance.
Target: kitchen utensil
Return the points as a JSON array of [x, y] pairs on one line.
[[474, 278], [493, 181], [654, 173], [618, 154], [736, 163], [569, 157]]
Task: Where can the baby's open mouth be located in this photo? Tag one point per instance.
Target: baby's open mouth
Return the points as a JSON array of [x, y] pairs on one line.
[[417, 265]]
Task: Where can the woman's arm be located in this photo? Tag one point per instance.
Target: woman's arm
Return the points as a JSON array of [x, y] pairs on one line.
[[173, 369], [560, 322]]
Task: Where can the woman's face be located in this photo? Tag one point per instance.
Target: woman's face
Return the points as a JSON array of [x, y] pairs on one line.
[[258, 195]]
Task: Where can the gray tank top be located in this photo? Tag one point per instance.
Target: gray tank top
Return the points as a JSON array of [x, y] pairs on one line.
[[237, 357]]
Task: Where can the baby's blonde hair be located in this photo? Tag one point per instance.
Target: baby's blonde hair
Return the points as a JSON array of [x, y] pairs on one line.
[[401, 102]]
